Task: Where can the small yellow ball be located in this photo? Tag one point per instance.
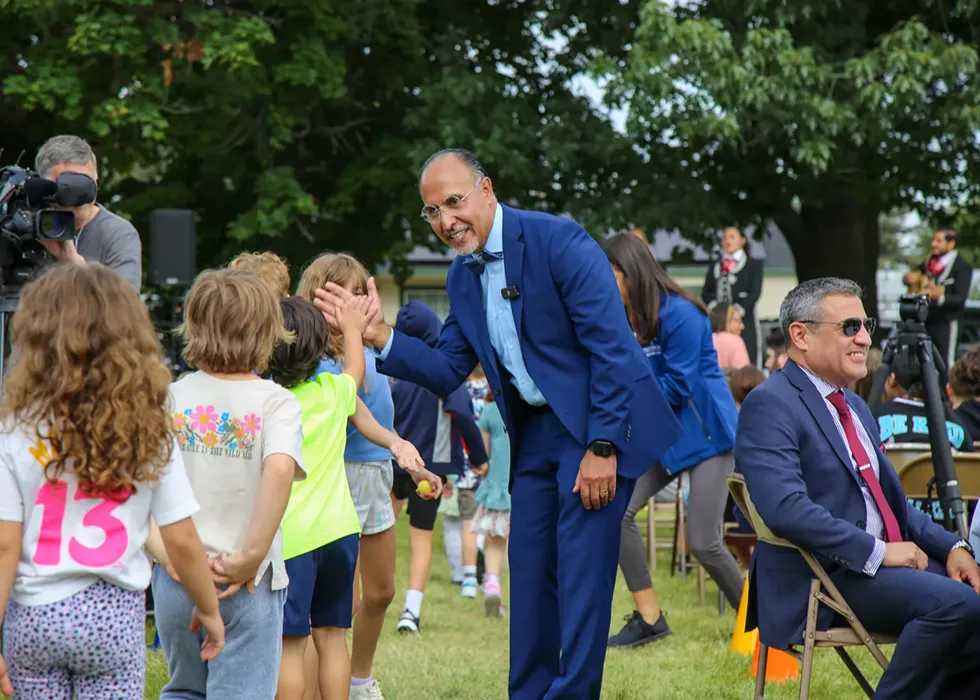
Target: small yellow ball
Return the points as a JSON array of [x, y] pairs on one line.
[[423, 487]]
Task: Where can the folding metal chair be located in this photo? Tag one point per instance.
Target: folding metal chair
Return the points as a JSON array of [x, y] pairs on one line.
[[822, 592], [917, 473], [901, 452]]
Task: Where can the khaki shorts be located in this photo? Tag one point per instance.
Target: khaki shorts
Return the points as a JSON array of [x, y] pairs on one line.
[[467, 503], [370, 486]]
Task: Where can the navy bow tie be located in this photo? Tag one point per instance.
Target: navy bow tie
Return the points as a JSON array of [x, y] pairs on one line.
[[477, 261]]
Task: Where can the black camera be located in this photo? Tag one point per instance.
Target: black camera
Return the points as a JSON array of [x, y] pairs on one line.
[[913, 308], [30, 213]]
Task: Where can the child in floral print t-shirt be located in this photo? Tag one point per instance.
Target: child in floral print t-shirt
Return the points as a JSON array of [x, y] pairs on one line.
[[225, 429]]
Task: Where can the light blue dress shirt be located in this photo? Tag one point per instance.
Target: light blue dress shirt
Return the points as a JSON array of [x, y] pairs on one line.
[[500, 318]]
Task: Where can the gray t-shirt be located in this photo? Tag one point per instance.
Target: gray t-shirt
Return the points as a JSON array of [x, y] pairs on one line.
[[111, 240]]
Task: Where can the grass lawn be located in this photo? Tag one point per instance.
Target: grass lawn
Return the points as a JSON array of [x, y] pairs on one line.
[[463, 655]]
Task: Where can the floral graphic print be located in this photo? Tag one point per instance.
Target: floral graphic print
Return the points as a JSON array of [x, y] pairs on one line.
[[202, 429]]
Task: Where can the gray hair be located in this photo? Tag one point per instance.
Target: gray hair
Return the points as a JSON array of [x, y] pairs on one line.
[[467, 158], [63, 150], [803, 301]]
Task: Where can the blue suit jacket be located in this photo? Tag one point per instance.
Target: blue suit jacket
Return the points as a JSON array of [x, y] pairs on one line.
[[798, 472], [575, 339]]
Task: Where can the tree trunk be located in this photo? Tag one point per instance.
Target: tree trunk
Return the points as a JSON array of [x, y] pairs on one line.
[[837, 237]]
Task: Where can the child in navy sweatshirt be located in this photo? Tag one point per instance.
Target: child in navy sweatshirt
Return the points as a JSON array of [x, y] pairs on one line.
[[444, 431]]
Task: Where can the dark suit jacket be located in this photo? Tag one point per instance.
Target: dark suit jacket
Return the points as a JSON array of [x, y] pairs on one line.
[[746, 286], [575, 339], [957, 292], [798, 471]]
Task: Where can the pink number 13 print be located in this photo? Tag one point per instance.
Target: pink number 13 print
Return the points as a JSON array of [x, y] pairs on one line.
[[53, 498]]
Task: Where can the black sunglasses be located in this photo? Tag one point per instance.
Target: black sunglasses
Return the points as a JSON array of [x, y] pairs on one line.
[[851, 326]]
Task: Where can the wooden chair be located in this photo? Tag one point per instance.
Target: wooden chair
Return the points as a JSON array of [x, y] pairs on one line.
[[659, 514], [822, 592]]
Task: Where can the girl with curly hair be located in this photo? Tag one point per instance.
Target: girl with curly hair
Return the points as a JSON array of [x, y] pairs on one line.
[[86, 458]]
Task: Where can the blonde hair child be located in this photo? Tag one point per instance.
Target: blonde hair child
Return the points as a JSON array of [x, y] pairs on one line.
[[242, 442]]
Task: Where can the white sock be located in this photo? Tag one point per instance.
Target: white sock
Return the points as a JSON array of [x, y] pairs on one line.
[[360, 681], [413, 602], [469, 573]]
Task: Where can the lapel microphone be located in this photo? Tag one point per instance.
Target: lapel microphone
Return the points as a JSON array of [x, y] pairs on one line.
[[510, 293]]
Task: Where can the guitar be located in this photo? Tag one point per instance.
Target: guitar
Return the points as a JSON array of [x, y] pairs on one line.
[[924, 283], [918, 282]]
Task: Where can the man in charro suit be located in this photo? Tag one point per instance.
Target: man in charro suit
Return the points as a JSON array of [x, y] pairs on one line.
[[945, 278]]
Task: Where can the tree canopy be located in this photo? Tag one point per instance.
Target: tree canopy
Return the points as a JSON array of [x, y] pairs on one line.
[[299, 126], [819, 116]]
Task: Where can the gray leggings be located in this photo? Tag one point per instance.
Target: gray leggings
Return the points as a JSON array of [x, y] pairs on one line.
[[706, 509]]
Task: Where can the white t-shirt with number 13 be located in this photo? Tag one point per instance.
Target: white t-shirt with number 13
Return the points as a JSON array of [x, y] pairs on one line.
[[72, 540]]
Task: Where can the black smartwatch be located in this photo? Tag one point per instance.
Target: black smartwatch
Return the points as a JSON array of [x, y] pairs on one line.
[[602, 448]]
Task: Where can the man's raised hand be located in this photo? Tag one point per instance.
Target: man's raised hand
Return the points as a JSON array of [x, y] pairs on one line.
[[331, 300]]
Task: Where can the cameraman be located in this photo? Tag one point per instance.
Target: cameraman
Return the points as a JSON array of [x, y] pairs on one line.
[[101, 236]]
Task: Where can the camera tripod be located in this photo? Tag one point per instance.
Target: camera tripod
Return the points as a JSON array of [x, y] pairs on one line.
[[912, 334]]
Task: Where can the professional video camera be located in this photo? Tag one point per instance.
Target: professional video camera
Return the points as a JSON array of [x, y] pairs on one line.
[[28, 215], [910, 348]]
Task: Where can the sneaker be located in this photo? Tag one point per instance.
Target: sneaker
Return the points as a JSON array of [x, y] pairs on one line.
[[369, 691], [636, 632], [468, 590], [408, 622], [491, 605]]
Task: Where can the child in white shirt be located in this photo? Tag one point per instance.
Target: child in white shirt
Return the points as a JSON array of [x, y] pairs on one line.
[[242, 441], [87, 456]]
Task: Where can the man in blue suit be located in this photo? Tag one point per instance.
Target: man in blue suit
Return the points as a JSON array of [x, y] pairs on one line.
[[810, 453], [534, 301]]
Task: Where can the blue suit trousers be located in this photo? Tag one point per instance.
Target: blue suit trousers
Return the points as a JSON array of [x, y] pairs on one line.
[[938, 623], [563, 563]]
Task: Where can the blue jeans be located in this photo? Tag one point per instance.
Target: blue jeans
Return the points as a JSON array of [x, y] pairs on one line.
[[247, 669]]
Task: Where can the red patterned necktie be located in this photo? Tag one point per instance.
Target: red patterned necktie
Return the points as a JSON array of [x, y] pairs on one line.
[[727, 265], [867, 472]]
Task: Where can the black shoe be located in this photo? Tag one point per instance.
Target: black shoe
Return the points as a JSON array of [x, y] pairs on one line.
[[636, 632]]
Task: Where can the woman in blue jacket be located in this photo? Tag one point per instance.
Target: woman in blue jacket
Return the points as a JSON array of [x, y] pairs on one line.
[[672, 326]]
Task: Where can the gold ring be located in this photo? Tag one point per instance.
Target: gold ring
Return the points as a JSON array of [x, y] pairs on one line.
[[604, 492]]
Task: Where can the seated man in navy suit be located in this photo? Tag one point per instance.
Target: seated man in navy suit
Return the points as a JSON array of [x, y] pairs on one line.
[[810, 453]]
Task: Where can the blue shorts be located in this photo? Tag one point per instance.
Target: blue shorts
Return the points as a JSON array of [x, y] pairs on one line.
[[321, 587]]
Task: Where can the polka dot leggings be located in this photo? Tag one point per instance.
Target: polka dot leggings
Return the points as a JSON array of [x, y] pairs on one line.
[[90, 645]]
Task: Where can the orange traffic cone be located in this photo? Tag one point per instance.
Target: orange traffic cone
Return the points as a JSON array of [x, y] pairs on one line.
[[779, 667], [743, 642]]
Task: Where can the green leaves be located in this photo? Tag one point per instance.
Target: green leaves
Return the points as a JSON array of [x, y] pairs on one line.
[[301, 125], [768, 103]]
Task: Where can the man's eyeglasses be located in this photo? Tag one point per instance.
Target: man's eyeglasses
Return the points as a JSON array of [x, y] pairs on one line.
[[433, 213], [850, 327]]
